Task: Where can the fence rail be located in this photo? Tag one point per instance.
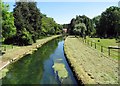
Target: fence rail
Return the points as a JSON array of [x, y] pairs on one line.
[[112, 51]]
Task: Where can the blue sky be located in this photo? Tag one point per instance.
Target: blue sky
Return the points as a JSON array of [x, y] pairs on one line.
[[63, 12]]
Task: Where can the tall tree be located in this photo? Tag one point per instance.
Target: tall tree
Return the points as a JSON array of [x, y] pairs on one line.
[[82, 19], [72, 26], [49, 26], [80, 29], [35, 18], [96, 23], [109, 22], [89, 25], [27, 21], [8, 28]]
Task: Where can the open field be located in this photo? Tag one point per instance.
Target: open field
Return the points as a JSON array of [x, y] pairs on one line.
[[89, 65], [102, 46], [104, 42]]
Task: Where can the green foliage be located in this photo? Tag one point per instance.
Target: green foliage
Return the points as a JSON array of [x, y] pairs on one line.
[[26, 37], [59, 29], [27, 21], [110, 22], [96, 24], [80, 29], [3, 72], [71, 26], [105, 25], [27, 25], [49, 26], [89, 25], [82, 19], [0, 21], [8, 28]]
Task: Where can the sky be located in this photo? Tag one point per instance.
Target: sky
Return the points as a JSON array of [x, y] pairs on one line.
[[63, 12]]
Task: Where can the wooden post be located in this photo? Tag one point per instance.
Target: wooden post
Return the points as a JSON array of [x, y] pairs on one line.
[[112, 47], [91, 43], [95, 45], [101, 48], [4, 48], [12, 46], [108, 51]]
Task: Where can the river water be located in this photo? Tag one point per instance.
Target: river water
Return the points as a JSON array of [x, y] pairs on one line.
[[37, 68]]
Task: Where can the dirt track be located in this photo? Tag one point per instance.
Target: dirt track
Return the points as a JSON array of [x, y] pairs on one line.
[[89, 65]]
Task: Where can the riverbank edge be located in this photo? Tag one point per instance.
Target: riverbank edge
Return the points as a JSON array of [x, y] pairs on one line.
[[82, 77], [79, 82], [30, 51]]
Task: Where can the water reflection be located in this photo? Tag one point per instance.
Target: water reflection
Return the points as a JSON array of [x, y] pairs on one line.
[[37, 68]]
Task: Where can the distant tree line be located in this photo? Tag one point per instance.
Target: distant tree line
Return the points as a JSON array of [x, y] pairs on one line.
[[49, 26], [81, 25], [106, 25], [26, 24]]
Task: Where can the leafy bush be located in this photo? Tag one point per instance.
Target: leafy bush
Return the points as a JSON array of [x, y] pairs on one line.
[[20, 39]]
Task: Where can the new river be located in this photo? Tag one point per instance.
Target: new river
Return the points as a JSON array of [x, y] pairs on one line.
[[47, 65]]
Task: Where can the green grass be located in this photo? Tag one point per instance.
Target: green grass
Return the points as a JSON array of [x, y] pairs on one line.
[[17, 51], [105, 43], [5, 47]]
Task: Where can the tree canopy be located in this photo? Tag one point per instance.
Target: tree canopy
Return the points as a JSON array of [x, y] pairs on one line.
[[26, 24], [83, 21], [110, 22], [105, 25], [49, 26], [27, 21], [80, 29], [8, 28]]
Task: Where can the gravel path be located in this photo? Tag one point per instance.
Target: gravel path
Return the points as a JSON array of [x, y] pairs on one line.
[[89, 65]]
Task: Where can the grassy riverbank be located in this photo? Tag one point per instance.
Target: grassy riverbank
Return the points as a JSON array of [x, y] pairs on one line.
[[89, 65], [16, 53]]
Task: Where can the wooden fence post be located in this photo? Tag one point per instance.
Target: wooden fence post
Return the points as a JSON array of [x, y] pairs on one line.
[[88, 42], [101, 48], [108, 51], [95, 45], [91, 43], [12, 46], [4, 48]]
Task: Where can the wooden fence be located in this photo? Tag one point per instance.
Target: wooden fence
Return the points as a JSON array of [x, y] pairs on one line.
[[112, 51]]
